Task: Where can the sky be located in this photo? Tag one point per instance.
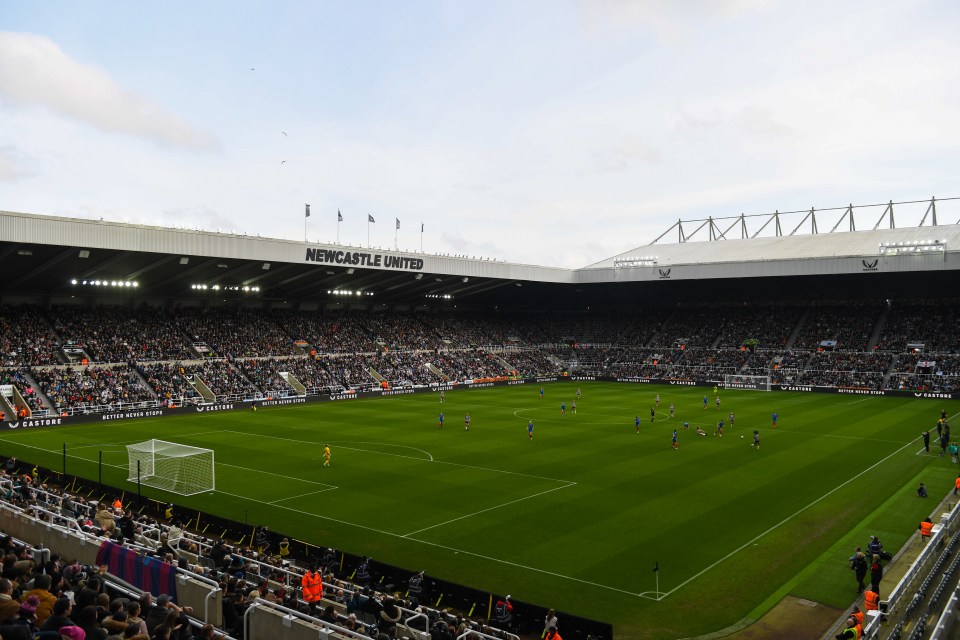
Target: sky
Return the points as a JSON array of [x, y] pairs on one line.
[[555, 132]]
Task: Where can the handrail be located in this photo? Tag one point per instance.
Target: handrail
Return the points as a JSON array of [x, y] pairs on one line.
[[293, 613]]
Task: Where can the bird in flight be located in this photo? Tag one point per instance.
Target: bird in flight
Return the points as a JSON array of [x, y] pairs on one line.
[[284, 162], [284, 132]]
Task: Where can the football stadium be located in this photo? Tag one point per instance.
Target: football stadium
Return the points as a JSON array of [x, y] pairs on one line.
[[735, 431]]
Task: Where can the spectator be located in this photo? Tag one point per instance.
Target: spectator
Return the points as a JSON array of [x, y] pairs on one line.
[[60, 616], [876, 574], [9, 608], [45, 599]]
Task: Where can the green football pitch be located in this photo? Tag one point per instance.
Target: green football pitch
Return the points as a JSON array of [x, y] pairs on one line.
[[576, 518]]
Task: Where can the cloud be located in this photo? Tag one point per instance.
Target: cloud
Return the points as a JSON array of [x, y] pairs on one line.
[[12, 165], [34, 71]]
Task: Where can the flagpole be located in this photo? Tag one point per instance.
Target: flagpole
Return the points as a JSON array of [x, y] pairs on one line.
[[338, 229], [396, 230], [421, 236], [368, 230]]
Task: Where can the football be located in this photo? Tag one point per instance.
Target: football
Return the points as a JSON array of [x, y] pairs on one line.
[[741, 436]]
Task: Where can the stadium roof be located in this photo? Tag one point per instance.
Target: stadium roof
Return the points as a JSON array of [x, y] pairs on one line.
[[43, 255]]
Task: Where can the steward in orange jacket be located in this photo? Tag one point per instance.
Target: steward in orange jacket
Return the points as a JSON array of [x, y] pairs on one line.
[[871, 600], [926, 528], [312, 585], [857, 615]]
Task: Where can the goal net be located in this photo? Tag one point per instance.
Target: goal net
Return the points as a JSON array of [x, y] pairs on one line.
[[755, 383], [173, 467]]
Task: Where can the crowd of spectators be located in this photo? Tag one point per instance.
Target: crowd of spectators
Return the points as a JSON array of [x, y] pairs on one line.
[[18, 379], [402, 332], [470, 365], [91, 388], [169, 382], [112, 334], [54, 592], [26, 339], [350, 372], [694, 327], [240, 334], [935, 324], [764, 327], [265, 375], [530, 363], [336, 332], [353, 350], [222, 379], [849, 325], [403, 368]]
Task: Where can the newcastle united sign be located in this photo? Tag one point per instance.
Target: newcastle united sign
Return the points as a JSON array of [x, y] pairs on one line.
[[363, 259]]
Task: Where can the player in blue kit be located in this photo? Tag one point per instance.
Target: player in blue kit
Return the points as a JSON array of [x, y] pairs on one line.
[[530, 429], [563, 408], [719, 431], [775, 416], [705, 402], [675, 445], [440, 421], [541, 393], [636, 422]]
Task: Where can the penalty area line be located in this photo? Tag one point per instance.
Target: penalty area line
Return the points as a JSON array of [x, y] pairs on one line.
[[476, 513], [303, 495], [436, 545]]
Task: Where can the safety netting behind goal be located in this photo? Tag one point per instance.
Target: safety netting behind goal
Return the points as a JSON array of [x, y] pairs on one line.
[[173, 467]]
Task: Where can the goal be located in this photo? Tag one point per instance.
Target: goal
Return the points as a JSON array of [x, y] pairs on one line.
[[755, 383], [173, 467]]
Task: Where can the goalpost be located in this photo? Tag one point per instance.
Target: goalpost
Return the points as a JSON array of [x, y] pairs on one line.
[[754, 383], [173, 467]]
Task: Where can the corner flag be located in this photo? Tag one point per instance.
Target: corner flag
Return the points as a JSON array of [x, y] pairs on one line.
[[308, 212], [339, 216], [656, 567], [370, 218], [398, 223]]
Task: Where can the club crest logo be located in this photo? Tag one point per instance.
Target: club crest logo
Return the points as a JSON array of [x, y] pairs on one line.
[[870, 265], [664, 274]]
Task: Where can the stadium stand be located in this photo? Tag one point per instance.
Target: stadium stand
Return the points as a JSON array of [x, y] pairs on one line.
[[514, 348]]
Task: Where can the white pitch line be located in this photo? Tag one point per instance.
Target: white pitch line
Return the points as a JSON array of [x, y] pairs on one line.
[[303, 495], [429, 457], [476, 513], [452, 464], [279, 475], [824, 435], [859, 401], [391, 534], [436, 545], [225, 464], [782, 522], [126, 442]]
